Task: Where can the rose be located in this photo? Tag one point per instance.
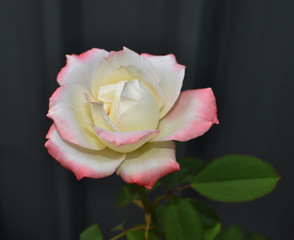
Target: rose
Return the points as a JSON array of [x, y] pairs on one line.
[[120, 111]]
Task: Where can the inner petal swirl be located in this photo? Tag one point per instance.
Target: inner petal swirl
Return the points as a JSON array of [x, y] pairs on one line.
[[130, 105]]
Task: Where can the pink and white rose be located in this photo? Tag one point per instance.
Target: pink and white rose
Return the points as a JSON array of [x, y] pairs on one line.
[[119, 112]]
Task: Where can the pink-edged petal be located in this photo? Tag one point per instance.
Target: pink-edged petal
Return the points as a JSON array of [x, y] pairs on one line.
[[192, 115], [82, 162], [149, 163], [171, 75], [126, 65], [124, 141], [79, 68], [122, 138], [69, 109]]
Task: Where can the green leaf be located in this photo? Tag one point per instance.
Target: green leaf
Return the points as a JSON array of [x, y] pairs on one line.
[[236, 178], [209, 219], [91, 233], [160, 211], [181, 221], [127, 194], [177, 143], [207, 215], [231, 233], [139, 235], [157, 218], [190, 166], [120, 227], [211, 232], [256, 236]]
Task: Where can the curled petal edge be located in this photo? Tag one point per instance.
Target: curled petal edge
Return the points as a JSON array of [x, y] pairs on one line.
[[82, 162], [147, 165], [124, 142], [192, 115]]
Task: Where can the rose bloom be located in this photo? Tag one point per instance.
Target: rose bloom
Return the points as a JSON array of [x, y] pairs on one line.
[[119, 112]]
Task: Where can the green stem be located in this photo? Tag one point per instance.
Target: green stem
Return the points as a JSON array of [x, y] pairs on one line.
[[119, 235], [147, 208], [181, 188], [148, 221], [143, 199], [160, 198], [126, 231]]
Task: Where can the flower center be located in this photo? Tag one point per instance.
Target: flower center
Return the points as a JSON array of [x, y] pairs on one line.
[[130, 105], [110, 93]]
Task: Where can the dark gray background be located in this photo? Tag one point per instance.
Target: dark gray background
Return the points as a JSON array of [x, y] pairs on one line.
[[244, 50]]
